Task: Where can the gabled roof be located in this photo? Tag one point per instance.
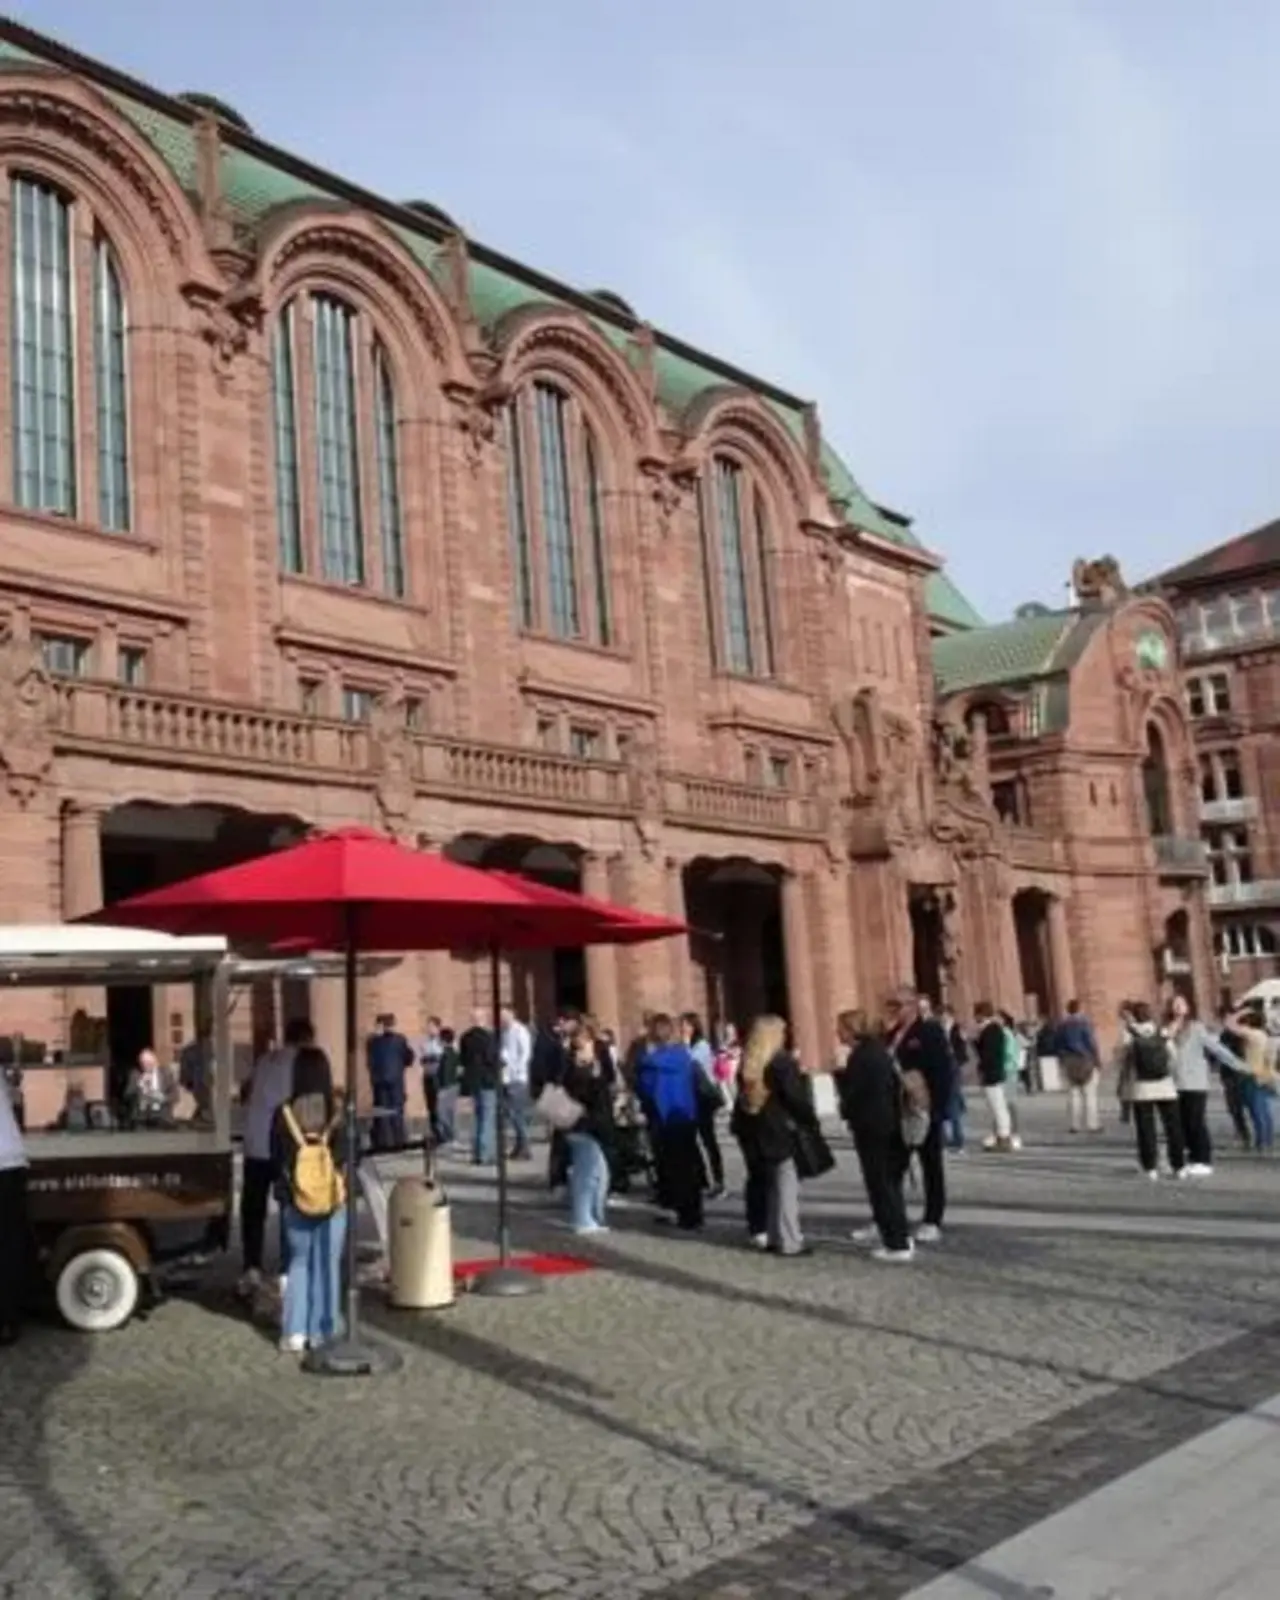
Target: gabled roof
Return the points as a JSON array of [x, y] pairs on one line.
[[1247, 553], [1013, 652], [258, 178]]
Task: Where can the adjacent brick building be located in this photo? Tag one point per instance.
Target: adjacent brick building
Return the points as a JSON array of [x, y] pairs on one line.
[[315, 510], [1227, 603]]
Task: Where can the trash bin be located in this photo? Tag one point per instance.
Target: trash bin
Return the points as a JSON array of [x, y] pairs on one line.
[[420, 1246]]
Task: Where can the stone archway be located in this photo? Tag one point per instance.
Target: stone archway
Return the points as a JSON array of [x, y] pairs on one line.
[[737, 943]]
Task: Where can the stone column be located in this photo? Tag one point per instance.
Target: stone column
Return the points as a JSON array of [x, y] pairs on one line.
[[329, 1019], [681, 993], [1062, 977], [800, 996], [601, 959], [82, 893]]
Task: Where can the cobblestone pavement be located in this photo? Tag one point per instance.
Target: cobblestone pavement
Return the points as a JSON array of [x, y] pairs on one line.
[[694, 1421]]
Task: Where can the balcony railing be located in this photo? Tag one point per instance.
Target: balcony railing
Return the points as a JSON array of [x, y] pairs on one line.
[[1261, 892], [1177, 855], [1207, 641], [1244, 808], [741, 805]]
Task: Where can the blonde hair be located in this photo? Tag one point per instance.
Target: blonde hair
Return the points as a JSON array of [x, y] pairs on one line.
[[768, 1035]]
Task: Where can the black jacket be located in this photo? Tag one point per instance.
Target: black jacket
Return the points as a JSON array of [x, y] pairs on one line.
[[594, 1092], [922, 1047], [870, 1092], [766, 1136], [549, 1062], [991, 1054], [479, 1059]]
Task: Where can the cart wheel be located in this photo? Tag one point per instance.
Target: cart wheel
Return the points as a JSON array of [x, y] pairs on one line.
[[97, 1290]]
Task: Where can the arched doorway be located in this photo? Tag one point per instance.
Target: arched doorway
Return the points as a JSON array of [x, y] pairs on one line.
[[540, 984], [925, 907], [1155, 784], [736, 945], [147, 846], [1031, 924]]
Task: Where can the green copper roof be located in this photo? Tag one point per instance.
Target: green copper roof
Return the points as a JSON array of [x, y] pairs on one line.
[[258, 179], [1010, 652]]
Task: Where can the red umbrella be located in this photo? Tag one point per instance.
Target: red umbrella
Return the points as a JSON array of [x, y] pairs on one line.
[[356, 890]]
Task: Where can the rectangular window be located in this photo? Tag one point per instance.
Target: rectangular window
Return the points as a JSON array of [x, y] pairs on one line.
[[1006, 800], [780, 772], [1219, 696], [42, 349], [285, 417], [415, 713], [384, 400], [309, 696], [599, 550], [337, 444], [1208, 780], [111, 385], [518, 520], [751, 766], [727, 478], [1232, 778], [584, 743], [66, 656], [551, 408], [132, 664], [622, 742], [1196, 703], [358, 704]]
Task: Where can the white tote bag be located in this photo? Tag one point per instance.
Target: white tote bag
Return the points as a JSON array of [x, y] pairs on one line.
[[559, 1109]]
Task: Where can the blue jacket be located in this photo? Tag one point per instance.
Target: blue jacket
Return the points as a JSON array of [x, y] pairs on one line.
[[667, 1084], [1075, 1038]]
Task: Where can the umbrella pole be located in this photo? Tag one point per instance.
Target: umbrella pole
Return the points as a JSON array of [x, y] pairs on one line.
[[503, 1281], [350, 1356]]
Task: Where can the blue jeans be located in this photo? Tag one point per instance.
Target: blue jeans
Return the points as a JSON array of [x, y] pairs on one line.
[[588, 1182], [955, 1117], [1257, 1103], [518, 1117], [313, 1284], [484, 1144], [447, 1115]]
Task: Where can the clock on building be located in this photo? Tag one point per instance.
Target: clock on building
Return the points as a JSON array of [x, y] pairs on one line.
[[1153, 650]]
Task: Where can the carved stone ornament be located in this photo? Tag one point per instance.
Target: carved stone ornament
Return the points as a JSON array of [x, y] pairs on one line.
[[951, 942], [27, 704], [1099, 582], [227, 319], [477, 413], [391, 756], [831, 823], [667, 493], [645, 778]]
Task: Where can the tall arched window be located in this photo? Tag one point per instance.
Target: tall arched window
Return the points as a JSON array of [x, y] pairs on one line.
[[556, 514], [1155, 784], [47, 308], [324, 349], [737, 566]]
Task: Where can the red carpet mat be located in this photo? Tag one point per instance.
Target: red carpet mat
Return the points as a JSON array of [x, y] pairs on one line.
[[545, 1266]]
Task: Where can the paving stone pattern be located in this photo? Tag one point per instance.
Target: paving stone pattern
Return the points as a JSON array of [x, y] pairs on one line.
[[695, 1422]]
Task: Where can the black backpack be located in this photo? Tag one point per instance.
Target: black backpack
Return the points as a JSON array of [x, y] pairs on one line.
[[1150, 1057]]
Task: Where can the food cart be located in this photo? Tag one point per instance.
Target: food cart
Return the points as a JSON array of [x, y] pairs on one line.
[[110, 1198]]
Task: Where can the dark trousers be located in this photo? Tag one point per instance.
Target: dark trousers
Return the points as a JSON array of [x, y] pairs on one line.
[[933, 1174], [884, 1166], [680, 1172], [431, 1094], [1193, 1111], [388, 1115], [15, 1247], [255, 1192], [1144, 1121], [1233, 1093], [757, 1197], [713, 1160]]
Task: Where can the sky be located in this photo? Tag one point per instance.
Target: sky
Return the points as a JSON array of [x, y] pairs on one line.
[[1022, 253]]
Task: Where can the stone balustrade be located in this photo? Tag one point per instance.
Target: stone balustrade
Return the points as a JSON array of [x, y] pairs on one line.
[[739, 806]]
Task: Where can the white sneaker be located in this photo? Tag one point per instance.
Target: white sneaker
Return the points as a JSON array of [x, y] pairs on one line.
[[897, 1256], [1199, 1170], [1182, 1172], [868, 1235], [1154, 1176], [759, 1241], [928, 1233], [1015, 1142], [294, 1344]]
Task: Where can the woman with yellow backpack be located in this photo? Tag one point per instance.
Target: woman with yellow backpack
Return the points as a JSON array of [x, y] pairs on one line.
[[306, 1146]]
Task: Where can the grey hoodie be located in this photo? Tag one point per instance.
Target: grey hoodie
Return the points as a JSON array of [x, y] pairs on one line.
[[1192, 1048]]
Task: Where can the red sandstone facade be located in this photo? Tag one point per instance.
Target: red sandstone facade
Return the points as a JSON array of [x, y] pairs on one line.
[[751, 740]]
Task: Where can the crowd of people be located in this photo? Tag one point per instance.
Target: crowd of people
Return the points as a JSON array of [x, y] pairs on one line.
[[657, 1109]]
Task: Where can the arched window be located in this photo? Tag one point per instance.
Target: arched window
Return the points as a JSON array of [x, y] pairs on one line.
[[556, 517], [322, 348], [737, 567], [47, 306], [1155, 784]]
